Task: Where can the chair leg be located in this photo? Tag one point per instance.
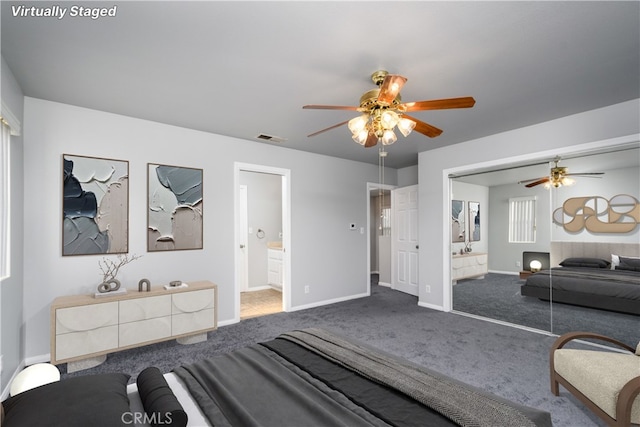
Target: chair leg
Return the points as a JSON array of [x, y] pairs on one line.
[[555, 387]]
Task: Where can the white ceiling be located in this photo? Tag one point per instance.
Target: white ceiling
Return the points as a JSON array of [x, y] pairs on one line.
[[246, 68]]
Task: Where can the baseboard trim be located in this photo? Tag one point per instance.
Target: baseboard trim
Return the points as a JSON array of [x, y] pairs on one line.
[[512, 273], [259, 288], [388, 285], [327, 302], [227, 322], [431, 306]]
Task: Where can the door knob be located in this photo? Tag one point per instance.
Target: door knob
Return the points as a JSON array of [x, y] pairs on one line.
[[417, 246], [241, 246]]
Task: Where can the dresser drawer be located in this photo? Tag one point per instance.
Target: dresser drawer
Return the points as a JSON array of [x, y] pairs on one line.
[[191, 302], [144, 331], [76, 344], [145, 308], [86, 318], [186, 323]]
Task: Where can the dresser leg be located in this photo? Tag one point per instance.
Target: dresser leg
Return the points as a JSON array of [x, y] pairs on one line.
[[192, 339]]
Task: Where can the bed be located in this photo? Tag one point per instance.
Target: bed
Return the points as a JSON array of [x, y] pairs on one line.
[[310, 377], [598, 275]]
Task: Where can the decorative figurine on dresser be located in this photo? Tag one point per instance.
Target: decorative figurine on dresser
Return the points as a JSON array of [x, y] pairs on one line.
[[110, 284]]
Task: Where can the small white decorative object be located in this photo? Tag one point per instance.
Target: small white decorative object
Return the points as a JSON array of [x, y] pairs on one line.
[[176, 284]]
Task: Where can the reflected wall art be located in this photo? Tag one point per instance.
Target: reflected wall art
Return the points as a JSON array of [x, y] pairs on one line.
[[174, 214], [95, 205]]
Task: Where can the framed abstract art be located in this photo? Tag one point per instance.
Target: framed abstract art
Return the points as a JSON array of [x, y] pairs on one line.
[[95, 205], [175, 206]]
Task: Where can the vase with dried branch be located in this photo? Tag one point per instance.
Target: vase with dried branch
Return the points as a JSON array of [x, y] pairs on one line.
[[110, 270]]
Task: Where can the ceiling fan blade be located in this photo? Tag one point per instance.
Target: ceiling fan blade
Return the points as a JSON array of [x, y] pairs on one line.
[[524, 181], [440, 104], [538, 182], [424, 128], [330, 107], [329, 128], [371, 141], [390, 88], [586, 174]]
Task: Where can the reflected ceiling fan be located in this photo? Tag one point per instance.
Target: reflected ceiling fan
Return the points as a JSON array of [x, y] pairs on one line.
[[558, 177], [382, 110]]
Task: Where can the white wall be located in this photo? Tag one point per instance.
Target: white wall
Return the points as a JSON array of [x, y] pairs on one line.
[[585, 130], [408, 176], [11, 289], [327, 194]]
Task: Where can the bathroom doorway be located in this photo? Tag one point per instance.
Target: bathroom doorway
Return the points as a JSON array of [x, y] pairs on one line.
[[262, 240]]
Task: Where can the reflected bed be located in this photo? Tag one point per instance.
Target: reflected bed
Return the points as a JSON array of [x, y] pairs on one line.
[[591, 274]]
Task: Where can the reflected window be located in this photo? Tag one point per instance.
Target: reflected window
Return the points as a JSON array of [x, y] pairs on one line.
[[522, 219]]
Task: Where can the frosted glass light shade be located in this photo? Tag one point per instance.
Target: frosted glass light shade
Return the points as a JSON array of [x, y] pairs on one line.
[[535, 265], [357, 124], [405, 126], [361, 136], [388, 137], [389, 119]]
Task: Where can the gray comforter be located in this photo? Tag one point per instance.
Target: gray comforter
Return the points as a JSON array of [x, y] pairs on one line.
[[255, 386]]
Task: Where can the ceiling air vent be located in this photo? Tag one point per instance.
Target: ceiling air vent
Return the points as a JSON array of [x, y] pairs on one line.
[[271, 138]]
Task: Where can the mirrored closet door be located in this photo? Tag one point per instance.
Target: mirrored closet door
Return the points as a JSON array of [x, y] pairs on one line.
[[534, 236]]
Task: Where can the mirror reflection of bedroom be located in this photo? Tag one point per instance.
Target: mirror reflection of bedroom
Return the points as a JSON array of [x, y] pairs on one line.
[[546, 253]]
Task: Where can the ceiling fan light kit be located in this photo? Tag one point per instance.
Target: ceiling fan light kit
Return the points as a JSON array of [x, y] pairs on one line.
[[382, 111]]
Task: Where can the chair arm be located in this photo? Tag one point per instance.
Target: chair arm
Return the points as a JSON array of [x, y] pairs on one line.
[[565, 338], [626, 399]]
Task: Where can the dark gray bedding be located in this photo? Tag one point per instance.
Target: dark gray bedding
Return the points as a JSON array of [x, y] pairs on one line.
[[315, 378], [617, 290]]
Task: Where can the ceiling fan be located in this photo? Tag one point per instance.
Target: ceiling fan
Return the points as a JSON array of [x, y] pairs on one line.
[[382, 110], [558, 177]]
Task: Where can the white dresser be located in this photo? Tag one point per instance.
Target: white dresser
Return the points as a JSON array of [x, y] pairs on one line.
[[83, 326], [469, 265]]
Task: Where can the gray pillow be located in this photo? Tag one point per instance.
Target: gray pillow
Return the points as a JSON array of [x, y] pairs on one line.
[[586, 262]]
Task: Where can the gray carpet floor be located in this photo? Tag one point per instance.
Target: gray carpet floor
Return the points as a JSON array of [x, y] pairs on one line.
[[497, 296], [507, 361]]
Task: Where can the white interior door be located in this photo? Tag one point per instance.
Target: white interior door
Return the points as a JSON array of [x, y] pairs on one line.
[[404, 238]]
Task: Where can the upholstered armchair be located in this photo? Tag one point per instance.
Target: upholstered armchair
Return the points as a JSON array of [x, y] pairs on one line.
[[607, 382]]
